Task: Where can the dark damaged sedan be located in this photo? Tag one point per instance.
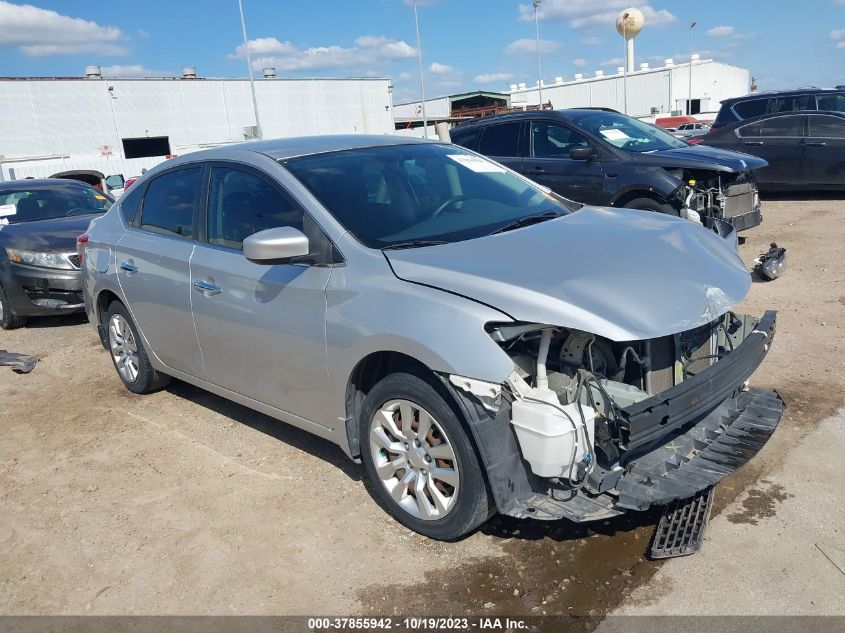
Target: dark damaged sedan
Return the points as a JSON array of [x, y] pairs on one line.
[[39, 268], [602, 157]]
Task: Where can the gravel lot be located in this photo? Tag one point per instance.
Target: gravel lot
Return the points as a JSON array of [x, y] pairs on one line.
[[182, 502]]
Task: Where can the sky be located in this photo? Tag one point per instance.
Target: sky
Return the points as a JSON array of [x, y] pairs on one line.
[[466, 44]]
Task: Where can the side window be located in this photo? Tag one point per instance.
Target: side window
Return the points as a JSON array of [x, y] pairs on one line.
[[791, 104], [129, 204], [751, 130], [749, 109], [827, 126], [465, 139], [500, 140], [831, 102], [783, 126], [169, 204], [552, 140], [240, 204]]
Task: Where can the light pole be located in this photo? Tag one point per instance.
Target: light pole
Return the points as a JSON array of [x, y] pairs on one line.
[[419, 60], [689, 95], [537, 4], [625, 72], [258, 133]]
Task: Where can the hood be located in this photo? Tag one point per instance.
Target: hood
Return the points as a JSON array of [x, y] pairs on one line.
[[618, 273], [56, 235], [702, 157]]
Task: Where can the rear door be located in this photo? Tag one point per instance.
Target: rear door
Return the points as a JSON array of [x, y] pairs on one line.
[[780, 141], [824, 151], [503, 142], [261, 327], [550, 165], [152, 259]]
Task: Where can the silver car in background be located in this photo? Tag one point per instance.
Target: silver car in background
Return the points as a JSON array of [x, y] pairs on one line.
[[479, 342]]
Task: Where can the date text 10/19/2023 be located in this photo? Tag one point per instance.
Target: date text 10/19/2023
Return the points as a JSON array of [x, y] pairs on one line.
[[433, 624]]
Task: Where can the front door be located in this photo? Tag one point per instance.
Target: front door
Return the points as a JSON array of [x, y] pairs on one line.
[[261, 327], [152, 267], [549, 163], [502, 142], [824, 151]]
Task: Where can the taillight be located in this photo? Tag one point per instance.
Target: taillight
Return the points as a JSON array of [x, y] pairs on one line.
[[81, 241]]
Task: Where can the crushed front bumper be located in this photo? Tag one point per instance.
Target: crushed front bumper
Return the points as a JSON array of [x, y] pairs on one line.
[[677, 443], [35, 291]]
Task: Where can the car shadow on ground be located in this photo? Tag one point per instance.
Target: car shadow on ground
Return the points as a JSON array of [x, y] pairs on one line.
[[59, 320], [505, 527], [299, 439]]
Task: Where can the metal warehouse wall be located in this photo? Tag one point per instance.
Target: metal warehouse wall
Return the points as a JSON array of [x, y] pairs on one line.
[[435, 108], [665, 88], [78, 117]]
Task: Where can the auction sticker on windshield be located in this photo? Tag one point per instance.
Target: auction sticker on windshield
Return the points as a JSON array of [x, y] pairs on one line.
[[477, 164], [613, 134], [7, 209]]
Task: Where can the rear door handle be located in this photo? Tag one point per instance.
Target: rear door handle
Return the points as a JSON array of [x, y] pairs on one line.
[[537, 170], [753, 142], [129, 268], [815, 143], [208, 288]]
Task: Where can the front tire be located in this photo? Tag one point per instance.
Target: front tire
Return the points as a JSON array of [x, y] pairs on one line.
[[128, 354], [648, 204], [8, 319], [419, 461]]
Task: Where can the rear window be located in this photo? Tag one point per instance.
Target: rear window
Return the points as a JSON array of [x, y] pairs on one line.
[[500, 140], [750, 109], [169, 204]]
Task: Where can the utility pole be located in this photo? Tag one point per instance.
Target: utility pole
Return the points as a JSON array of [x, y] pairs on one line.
[[625, 71], [689, 95], [537, 4], [258, 133], [419, 61]]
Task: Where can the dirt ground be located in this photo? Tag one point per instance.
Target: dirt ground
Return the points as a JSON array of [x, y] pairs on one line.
[[181, 502]]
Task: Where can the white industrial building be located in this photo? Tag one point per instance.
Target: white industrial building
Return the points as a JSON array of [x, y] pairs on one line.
[[650, 91], [119, 126]]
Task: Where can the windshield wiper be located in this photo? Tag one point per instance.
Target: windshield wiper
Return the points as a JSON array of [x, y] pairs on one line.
[[528, 220], [413, 244]]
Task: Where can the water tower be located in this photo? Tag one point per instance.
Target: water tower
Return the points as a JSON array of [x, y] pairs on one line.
[[629, 23]]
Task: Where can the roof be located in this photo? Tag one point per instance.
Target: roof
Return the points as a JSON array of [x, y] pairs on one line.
[[280, 149], [41, 183], [783, 93], [459, 96]]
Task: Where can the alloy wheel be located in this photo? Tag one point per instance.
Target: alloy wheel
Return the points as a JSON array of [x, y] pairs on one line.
[[414, 460], [124, 348]]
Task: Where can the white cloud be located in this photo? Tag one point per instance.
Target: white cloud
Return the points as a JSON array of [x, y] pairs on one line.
[[613, 61], [404, 76], [133, 70], [580, 62], [589, 13], [528, 45], [285, 56], [39, 32], [720, 31], [492, 78], [440, 69], [592, 41], [838, 35]]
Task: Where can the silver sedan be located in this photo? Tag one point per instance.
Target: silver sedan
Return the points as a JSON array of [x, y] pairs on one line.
[[478, 342]]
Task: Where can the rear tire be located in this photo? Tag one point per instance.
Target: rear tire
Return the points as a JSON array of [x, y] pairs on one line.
[[649, 204], [128, 354], [8, 319], [419, 461]]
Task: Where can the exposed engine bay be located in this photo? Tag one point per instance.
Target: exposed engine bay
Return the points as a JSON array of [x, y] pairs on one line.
[[705, 195], [593, 417]]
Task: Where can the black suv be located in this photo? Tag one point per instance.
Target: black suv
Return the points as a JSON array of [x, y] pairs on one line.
[[601, 157], [757, 104]]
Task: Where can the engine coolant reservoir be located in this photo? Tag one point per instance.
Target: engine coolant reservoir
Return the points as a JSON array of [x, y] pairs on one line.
[[547, 437]]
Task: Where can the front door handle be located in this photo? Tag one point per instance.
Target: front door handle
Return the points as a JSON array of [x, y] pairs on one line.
[[753, 142], [129, 268], [815, 143], [208, 288]]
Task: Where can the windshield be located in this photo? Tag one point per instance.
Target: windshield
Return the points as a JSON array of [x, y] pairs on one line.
[[61, 201], [415, 194], [628, 133]]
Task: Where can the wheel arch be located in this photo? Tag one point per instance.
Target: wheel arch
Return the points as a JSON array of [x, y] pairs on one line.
[[627, 195], [101, 306]]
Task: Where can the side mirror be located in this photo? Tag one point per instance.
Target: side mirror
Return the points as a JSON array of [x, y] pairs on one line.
[[582, 153], [282, 243]]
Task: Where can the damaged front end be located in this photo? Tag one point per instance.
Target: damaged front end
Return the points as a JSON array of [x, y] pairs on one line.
[[587, 428], [705, 196]]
